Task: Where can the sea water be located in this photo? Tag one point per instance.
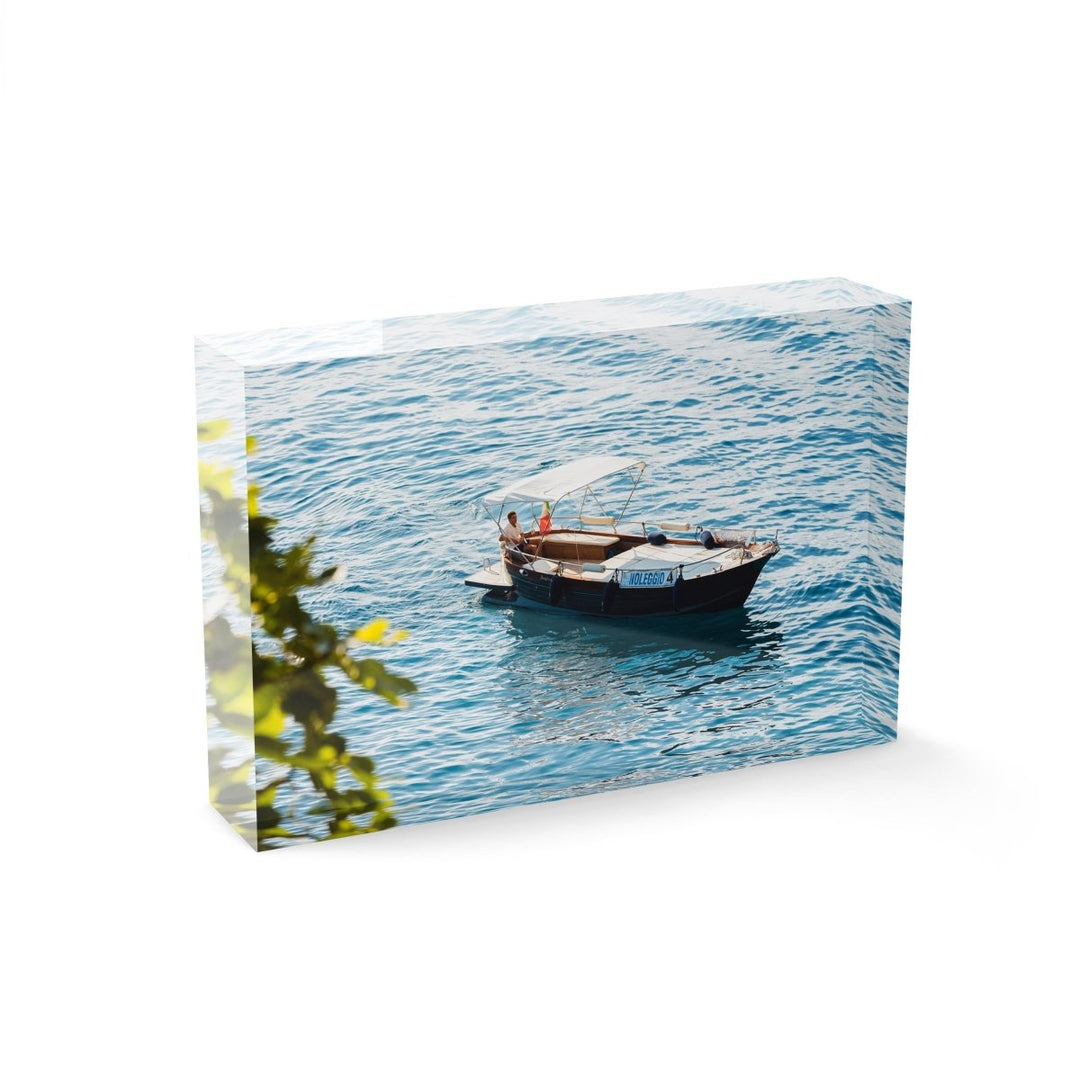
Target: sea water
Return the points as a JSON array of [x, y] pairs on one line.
[[750, 415]]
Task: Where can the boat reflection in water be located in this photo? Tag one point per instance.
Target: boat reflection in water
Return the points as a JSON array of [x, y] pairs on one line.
[[644, 695]]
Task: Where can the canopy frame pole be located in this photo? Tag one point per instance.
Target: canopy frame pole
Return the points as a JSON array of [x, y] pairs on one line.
[[603, 510], [497, 520], [556, 500], [641, 473]]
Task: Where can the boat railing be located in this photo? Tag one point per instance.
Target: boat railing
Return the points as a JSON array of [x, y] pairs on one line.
[[726, 539], [528, 557], [721, 535]]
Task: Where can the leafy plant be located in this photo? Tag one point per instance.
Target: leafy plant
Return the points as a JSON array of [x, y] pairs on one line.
[[274, 694]]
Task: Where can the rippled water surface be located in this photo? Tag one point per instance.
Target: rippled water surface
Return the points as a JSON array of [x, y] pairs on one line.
[[784, 423]]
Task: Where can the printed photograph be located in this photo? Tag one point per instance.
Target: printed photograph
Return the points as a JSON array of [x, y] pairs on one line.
[[461, 562]]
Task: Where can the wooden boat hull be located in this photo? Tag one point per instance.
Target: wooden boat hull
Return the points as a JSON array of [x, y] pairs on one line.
[[707, 593]]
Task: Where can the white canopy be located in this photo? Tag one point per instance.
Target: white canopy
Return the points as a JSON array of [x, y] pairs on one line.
[[554, 484]]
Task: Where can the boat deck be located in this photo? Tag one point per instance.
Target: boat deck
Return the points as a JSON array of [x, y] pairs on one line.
[[695, 559], [490, 577]]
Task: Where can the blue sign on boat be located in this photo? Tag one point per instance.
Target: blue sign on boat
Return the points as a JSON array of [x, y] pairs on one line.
[[646, 579]]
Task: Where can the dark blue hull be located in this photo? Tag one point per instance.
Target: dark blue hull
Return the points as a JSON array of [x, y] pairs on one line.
[[708, 593]]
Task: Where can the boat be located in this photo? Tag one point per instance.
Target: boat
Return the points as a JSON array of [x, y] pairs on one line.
[[611, 564]]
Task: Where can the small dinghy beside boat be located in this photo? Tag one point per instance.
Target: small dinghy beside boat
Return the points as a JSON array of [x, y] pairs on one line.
[[599, 566]]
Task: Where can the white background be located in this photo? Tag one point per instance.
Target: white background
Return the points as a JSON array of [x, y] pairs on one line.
[[903, 911]]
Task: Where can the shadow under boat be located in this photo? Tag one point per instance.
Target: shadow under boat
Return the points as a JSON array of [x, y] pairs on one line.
[[717, 635], [611, 681]]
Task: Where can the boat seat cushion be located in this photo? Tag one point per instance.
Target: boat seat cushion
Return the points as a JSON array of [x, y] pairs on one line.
[[579, 547]]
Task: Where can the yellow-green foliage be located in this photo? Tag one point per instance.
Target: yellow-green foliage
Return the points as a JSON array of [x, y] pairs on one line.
[[282, 699]]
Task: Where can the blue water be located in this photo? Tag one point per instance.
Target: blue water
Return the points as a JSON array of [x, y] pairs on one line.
[[791, 424]]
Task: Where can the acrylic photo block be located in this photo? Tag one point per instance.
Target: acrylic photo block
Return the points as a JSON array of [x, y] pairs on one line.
[[461, 562]]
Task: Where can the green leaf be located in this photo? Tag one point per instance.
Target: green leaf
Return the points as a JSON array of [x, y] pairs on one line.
[[215, 479], [223, 778], [353, 801], [257, 685], [274, 831], [374, 632], [309, 697], [269, 717], [382, 821], [272, 749], [235, 795], [377, 632], [374, 677], [265, 796], [240, 723], [227, 683], [344, 827], [363, 768], [210, 430]]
